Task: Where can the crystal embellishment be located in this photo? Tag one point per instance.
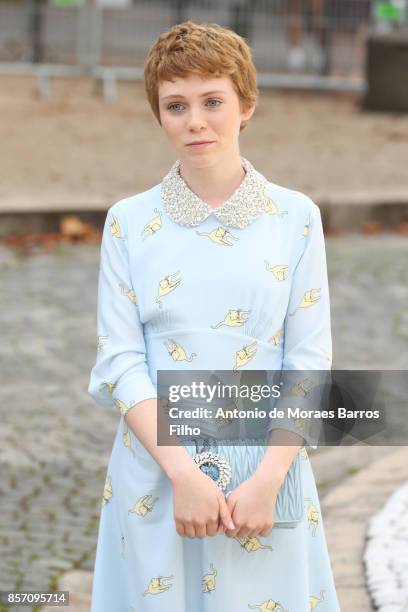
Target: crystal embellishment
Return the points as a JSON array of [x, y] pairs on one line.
[[216, 467], [244, 206]]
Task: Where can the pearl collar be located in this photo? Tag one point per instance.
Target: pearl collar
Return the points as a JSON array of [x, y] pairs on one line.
[[244, 206]]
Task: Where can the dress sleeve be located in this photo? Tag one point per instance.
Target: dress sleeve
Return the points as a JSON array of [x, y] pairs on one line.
[[307, 335], [120, 375]]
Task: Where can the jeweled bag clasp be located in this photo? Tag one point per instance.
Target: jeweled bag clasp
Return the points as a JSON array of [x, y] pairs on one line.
[[216, 467]]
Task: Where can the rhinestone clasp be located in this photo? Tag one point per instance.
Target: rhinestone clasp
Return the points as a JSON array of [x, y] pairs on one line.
[[216, 467]]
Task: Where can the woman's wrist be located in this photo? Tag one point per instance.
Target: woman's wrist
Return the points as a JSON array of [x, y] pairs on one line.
[[179, 467], [270, 476], [277, 460]]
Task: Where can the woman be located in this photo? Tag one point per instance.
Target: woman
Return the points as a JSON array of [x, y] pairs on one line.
[[213, 268]]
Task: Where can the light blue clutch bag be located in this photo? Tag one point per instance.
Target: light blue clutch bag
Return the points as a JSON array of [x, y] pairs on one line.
[[229, 465]]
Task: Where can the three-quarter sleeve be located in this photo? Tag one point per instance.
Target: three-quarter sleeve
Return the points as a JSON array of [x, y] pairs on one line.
[[120, 376], [307, 335]]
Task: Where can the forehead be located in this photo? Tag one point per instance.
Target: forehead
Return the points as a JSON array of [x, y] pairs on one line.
[[194, 85]]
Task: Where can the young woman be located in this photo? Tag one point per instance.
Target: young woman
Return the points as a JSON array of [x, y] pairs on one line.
[[214, 268]]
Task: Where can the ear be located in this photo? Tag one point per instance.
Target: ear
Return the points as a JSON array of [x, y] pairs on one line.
[[248, 112]]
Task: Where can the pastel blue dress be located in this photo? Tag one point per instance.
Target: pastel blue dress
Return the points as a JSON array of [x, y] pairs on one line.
[[184, 286]]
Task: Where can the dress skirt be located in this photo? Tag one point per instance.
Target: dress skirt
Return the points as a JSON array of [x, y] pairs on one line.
[[143, 565]]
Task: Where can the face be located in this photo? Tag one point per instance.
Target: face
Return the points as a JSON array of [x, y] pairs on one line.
[[206, 111]]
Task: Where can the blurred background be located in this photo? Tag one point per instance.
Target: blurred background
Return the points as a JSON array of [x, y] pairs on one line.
[[76, 135]]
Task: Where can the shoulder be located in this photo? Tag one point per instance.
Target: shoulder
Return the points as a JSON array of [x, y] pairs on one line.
[[137, 208], [296, 203]]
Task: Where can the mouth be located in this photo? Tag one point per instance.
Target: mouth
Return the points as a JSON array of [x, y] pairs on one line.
[[200, 144]]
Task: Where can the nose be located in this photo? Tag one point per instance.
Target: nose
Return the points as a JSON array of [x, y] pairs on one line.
[[195, 120]]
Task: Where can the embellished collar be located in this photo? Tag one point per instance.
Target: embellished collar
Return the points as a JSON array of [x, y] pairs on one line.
[[244, 206]]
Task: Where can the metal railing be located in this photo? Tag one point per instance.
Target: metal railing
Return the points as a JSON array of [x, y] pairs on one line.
[[310, 43]]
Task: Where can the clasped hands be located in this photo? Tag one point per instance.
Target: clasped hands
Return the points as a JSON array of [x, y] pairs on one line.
[[201, 508]]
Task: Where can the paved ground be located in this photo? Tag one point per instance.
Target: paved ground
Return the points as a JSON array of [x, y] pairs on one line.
[[346, 512], [55, 441], [385, 555], [77, 150]]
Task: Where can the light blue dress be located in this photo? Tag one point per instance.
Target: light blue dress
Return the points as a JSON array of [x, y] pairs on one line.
[[167, 299]]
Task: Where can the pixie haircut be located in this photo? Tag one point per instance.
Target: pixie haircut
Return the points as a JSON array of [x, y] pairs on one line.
[[206, 49]]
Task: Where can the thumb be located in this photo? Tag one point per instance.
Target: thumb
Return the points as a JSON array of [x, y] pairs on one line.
[[225, 514]]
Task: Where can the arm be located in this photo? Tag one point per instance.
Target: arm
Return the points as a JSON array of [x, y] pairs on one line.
[[307, 347], [120, 377]]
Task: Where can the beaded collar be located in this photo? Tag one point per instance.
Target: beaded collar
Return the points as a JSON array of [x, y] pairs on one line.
[[186, 208]]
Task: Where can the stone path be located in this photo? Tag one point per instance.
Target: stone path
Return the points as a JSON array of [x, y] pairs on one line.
[[55, 441], [346, 512], [386, 557]]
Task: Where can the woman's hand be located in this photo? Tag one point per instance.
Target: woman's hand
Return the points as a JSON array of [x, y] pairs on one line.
[[200, 507], [252, 506]]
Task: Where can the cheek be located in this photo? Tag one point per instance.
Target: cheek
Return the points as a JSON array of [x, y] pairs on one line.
[[170, 126], [226, 122]]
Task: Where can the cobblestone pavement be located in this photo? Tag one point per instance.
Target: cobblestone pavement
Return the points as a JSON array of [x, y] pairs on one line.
[[55, 441], [386, 554]]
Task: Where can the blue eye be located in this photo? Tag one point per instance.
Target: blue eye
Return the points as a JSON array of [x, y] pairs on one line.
[[214, 100], [171, 106]]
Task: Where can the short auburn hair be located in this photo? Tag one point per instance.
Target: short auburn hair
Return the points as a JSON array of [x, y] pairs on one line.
[[206, 49]]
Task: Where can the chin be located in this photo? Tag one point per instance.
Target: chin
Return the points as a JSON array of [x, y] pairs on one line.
[[200, 160]]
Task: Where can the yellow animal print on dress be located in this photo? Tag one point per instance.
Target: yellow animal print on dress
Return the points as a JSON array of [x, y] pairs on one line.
[[306, 229], [109, 385], [143, 505], [115, 228], [158, 585], [129, 293], [272, 209], [304, 426], [327, 355], [314, 600], [269, 606], [177, 352], [300, 424], [153, 225], [309, 298], [276, 338], [251, 543], [167, 284], [233, 318], [127, 440], [102, 340], [302, 388], [312, 515], [208, 580], [226, 421], [303, 452], [244, 355], [280, 272], [107, 490], [219, 235], [123, 409]]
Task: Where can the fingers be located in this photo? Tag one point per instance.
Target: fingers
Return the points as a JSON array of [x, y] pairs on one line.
[[190, 531], [198, 530], [212, 527], [267, 530], [180, 528], [225, 514]]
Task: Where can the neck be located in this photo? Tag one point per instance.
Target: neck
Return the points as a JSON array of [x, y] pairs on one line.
[[216, 183]]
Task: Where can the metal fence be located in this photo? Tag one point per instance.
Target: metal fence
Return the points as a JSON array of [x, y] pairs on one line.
[[316, 38]]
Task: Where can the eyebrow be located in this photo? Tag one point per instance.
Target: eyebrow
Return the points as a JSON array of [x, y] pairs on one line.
[[207, 93]]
